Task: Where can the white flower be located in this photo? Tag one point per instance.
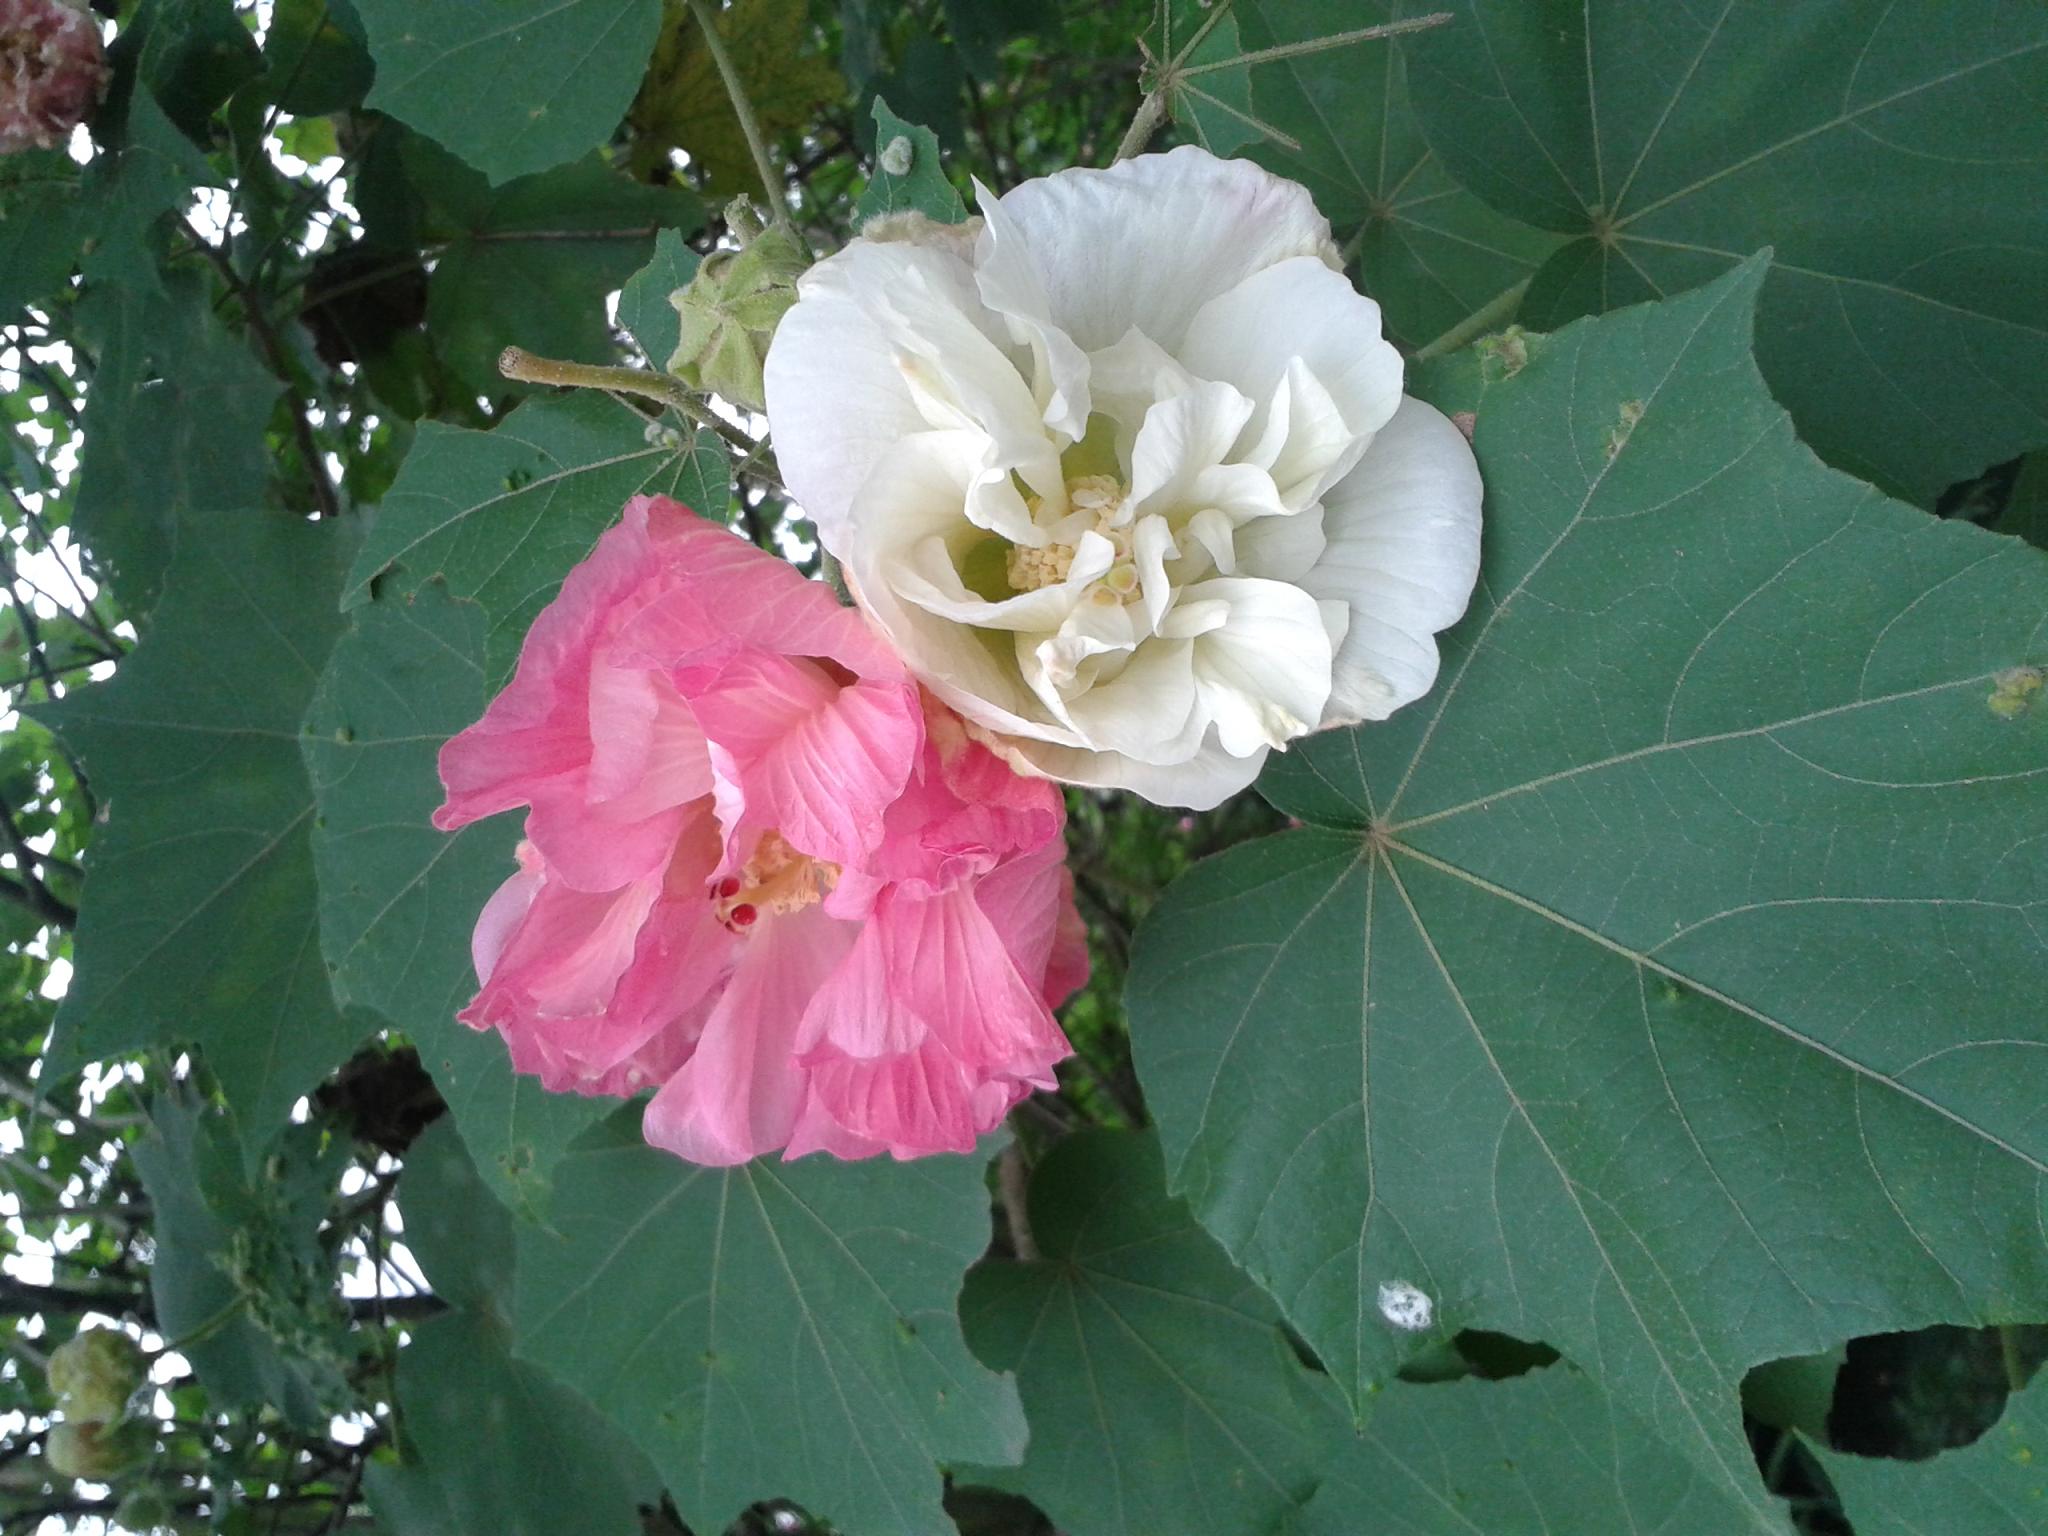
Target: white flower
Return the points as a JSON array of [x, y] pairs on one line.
[[1125, 472]]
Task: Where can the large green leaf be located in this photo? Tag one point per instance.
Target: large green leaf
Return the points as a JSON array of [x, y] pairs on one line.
[[1429, 251], [529, 263], [500, 516], [1891, 153], [556, 1467], [1666, 985], [198, 923], [1162, 1396], [1997, 1486], [398, 898], [515, 86], [1542, 1452], [777, 1329]]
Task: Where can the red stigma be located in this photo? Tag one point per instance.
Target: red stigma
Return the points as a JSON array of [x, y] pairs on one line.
[[728, 888], [743, 915]]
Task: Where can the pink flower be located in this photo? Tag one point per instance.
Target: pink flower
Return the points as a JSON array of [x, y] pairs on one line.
[[52, 72], [761, 869]]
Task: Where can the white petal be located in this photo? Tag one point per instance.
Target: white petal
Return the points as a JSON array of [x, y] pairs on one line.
[[916, 477], [1265, 676], [1211, 529], [1301, 310], [1403, 531], [1199, 783], [891, 339], [836, 399], [1010, 286], [1153, 238], [1181, 438], [1147, 710], [1284, 548], [1151, 547]]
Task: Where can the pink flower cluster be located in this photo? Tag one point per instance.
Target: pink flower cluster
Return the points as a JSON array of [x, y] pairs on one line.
[[53, 72], [763, 873]]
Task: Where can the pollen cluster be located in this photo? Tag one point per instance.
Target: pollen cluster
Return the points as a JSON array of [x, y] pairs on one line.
[[776, 879]]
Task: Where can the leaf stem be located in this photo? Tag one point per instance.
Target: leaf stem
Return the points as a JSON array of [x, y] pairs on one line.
[[750, 125], [1316, 44], [1492, 313]]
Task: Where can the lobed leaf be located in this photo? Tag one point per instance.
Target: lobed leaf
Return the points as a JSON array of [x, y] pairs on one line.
[[1662, 987]]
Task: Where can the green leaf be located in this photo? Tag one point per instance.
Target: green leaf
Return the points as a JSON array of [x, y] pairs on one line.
[[530, 262], [1430, 252], [398, 898], [238, 1280], [980, 28], [199, 922], [192, 55], [644, 307], [555, 1466], [1542, 1452], [684, 102], [1665, 986], [1891, 154], [316, 59], [500, 516], [128, 192], [176, 418], [1995, 1487], [513, 87], [41, 224], [1163, 1398], [777, 1329], [908, 174]]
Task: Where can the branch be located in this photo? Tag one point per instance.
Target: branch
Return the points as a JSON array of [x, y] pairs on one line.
[[33, 893], [20, 1298]]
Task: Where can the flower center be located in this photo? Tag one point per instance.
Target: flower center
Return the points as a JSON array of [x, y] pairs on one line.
[[1100, 497], [775, 879]]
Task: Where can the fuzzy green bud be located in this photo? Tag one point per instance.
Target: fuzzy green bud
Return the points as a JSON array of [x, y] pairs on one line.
[[95, 1374], [729, 313], [97, 1452]]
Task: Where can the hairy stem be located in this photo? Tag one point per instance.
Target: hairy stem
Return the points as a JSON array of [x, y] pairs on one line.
[[750, 125]]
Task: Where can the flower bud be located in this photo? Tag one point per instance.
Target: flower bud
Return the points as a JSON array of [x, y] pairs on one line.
[[730, 311], [53, 72], [96, 1373], [98, 1452]]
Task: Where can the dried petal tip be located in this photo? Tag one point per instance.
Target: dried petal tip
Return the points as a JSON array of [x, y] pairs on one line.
[[53, 72]]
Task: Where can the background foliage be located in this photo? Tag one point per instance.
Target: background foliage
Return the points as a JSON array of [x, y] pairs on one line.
[[1659, 1001]]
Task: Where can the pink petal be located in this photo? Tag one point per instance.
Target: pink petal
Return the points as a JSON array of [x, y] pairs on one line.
[[815, 758], [1030, 902], [739, 1094], [535, 731], [928, 1034]]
